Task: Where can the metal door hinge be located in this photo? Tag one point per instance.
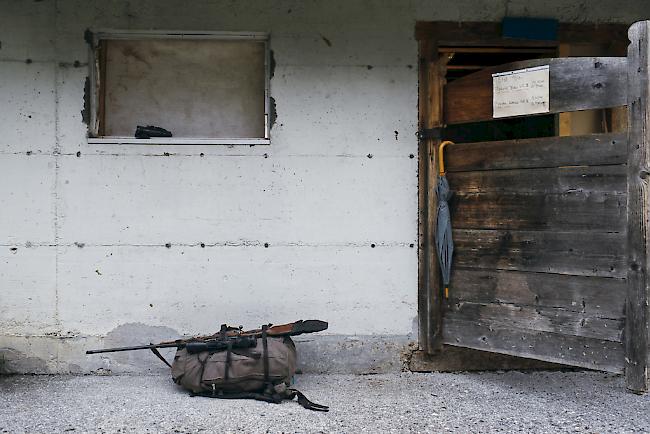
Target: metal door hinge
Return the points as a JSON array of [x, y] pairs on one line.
[[429, 133]]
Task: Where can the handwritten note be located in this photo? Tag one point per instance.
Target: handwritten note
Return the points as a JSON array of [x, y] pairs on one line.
[[520, 92]]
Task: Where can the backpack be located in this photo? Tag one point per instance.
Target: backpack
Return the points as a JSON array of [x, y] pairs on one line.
[[263, 371]]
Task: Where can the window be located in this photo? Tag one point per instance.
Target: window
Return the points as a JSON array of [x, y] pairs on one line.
[[205, 88]]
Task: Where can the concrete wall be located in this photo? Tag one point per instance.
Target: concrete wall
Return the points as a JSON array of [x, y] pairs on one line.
[[83, 228]]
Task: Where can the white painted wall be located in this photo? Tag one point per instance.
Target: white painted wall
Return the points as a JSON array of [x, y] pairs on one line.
[[82, 238]]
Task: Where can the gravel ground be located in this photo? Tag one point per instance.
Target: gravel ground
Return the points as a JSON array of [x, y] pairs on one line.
[[462, 402]]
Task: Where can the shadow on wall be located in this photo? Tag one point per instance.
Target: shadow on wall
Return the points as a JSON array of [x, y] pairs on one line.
[[13, 361], [132, 334]]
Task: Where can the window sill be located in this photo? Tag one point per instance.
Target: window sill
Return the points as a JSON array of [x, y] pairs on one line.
[[175, 141]]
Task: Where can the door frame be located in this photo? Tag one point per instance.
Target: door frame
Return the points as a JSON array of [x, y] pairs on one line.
[[432, 71]]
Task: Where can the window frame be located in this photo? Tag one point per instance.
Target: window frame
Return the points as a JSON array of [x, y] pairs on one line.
[[94, 75]]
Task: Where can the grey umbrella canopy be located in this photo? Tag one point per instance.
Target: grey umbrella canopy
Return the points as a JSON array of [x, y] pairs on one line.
[[444, 240]]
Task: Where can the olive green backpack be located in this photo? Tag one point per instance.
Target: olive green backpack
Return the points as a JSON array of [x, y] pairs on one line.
[[263, 371]]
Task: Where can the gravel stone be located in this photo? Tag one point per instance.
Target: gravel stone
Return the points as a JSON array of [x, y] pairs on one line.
[[407, 402]]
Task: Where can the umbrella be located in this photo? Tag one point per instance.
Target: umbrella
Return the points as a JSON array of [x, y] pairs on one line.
[[444, 241]]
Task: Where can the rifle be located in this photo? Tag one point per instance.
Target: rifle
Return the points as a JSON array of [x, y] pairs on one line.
[[227, 336]]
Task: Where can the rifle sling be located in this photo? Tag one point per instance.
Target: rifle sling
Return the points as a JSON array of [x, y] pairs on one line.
[[157, 353]]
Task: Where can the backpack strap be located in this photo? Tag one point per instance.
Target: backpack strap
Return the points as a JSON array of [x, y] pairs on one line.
[[269, 388], [305, 403], [237, 395], [275, 398], [265, 345], [228, 360]]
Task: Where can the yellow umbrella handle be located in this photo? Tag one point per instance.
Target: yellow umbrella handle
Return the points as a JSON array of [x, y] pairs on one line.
[[441, 156]]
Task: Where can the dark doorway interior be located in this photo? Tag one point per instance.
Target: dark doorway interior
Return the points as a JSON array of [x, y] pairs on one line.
[[466, 60]]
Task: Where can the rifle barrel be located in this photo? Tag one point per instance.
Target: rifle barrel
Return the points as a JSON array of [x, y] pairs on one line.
[[137, 347]]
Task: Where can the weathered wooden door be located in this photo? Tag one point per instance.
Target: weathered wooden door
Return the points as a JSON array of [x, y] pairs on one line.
[[550, 239]]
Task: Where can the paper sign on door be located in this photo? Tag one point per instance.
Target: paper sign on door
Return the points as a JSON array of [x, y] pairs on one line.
[[520, 92]]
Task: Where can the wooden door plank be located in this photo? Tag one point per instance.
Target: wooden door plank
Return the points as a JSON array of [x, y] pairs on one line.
[[575, 253], [636, 343], [589, 198], [598, 296], [598, 212], [554, 180], [576, 83], [587, 150], [547, 346], [538, 318]]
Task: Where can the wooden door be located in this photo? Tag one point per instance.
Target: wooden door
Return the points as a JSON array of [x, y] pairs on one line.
[[550, 255]]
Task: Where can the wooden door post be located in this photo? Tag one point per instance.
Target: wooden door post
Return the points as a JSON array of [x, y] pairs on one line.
[[431, 76], [638, 243]]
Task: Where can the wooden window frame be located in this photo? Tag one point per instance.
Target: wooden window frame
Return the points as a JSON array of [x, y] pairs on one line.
[[96, 56]]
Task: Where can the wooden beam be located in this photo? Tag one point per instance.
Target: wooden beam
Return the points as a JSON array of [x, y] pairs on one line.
[[498, 50], [102, 54], [486, 34], [612, 34], [431, 75], [470, 33], [636, 331], [578, 83], [425, 51]]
